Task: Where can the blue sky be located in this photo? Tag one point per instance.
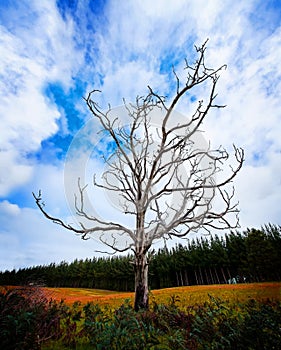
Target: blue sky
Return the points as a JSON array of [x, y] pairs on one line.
[[54, 52]]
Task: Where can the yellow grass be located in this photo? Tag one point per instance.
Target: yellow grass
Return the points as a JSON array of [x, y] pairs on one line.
[[189, 295]]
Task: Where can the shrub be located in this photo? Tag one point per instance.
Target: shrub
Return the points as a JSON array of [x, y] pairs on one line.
[[253, 326], [27, 319], [262, 325], [216, 324], [121, 329]]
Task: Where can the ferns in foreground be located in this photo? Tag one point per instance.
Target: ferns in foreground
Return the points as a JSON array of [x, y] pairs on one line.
[[28, 321]]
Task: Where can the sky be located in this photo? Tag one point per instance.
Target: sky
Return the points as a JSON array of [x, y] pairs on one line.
[[54, 52]]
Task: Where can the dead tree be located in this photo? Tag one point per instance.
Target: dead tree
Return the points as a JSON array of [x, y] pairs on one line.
[[167, 183]]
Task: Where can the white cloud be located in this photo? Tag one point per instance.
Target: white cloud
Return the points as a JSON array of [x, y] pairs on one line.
[[37, 49], [30, 240], [128, 81], [9, 209], [258, 190], [12, 173]]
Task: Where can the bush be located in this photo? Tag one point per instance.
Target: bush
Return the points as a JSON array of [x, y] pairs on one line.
[[27, 319], [252, 326], [262, 325], [121, 329], [215, 324]]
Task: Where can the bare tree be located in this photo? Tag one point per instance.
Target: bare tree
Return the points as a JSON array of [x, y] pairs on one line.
[[168, 184]]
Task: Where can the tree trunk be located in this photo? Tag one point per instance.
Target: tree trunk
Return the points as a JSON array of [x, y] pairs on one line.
[[186, 278], [211, 276], [224, 278], [181, 278], [141, 282], [177, 277], [196, 278], [217, 276]]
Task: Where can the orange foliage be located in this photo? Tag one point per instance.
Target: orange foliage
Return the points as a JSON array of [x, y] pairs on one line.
[[188, 295]]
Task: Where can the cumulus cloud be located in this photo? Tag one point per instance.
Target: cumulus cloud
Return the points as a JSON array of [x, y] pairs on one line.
[[9, 209], [29, 240], [38, 47]]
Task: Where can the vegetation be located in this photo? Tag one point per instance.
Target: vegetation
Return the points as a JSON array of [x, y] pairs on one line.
[[251, 256], [217, 316], [29, 320]]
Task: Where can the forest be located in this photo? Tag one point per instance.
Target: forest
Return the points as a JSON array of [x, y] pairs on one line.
[[238, 257]]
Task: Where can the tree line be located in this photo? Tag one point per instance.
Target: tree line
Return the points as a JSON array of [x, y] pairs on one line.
[[237, 257]]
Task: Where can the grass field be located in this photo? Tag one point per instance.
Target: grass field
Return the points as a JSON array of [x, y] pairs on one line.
[[188, 295]]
